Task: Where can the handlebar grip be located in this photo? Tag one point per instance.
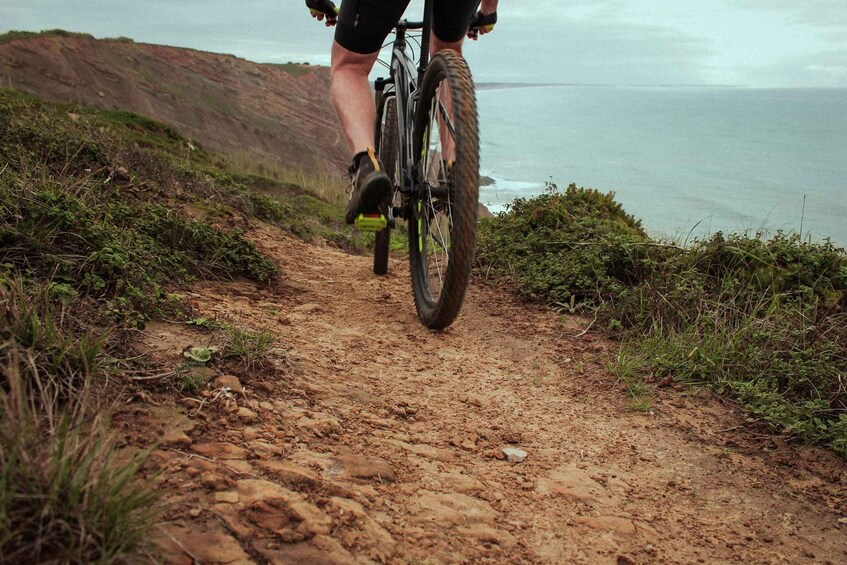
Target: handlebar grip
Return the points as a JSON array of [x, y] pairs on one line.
[[323, 7], [483, 21]]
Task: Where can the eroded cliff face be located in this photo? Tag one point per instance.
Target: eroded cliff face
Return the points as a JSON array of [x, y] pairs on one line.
[[269, 114]]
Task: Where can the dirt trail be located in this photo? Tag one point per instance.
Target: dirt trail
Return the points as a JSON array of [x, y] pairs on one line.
[[376, 441]]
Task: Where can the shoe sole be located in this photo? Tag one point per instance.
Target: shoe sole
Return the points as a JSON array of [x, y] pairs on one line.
[[374, 193]]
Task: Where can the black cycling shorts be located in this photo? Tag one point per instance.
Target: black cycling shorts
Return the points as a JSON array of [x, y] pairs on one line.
[[363, 25]]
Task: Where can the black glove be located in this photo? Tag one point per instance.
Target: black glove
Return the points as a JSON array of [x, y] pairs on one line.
[[323, 8], [483, 22]]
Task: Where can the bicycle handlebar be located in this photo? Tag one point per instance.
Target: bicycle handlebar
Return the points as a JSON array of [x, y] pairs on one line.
[[410, 25]]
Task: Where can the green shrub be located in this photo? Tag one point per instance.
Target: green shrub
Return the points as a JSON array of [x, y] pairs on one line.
[[761, 320], [113, 249], [561, 246]]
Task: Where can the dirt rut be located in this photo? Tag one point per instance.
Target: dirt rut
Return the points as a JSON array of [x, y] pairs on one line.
[[375, 440]]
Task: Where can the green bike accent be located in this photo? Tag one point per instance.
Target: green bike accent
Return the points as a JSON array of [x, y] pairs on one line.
[[425, 144], [370, 223], [420, 228]]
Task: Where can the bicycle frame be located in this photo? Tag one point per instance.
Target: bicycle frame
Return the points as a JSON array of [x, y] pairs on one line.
[[427, 187], [403, 84]]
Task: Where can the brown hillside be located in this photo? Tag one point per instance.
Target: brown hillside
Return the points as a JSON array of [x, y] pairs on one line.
[[272, 113]]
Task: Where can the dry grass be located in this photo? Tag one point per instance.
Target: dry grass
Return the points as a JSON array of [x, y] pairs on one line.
[[63, 497]]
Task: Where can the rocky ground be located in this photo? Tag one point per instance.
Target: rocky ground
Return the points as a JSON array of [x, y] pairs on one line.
[[368, 438]]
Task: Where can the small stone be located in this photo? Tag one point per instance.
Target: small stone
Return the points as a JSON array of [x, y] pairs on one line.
[[214, 546], [363, 468], [195, 512], [250, 434], [320, 425], [457, 482], [213, 480], [243, 467], [485, 533], [291, 473], [306, 308], [247, 415], [614, 524], [176, 437], [121, 174], [229, 381], [257, 492], [453, 508], [512, 437], [265, 447], [472, 400], [230, 497], [220, 450], [498, 454], [514, 455]]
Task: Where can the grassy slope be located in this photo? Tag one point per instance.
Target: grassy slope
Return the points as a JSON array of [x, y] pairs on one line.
[[102, 216], [763, 321], [13, 35]]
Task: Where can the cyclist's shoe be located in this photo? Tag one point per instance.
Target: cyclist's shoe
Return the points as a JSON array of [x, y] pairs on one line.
[[370, 188]]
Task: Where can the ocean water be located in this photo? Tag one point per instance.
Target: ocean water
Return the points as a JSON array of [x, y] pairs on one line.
[[687, 161]]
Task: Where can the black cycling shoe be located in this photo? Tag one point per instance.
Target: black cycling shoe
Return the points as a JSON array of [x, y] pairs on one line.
[[371, 187]]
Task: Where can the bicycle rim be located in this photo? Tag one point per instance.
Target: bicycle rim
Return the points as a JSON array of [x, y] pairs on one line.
[[442, 229]]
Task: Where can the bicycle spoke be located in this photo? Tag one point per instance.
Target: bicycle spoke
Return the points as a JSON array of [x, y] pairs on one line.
[[447, 120], [439, 217]]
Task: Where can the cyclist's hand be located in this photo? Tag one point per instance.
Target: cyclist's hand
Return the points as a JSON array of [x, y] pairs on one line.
[[321, 9], [482, 24]]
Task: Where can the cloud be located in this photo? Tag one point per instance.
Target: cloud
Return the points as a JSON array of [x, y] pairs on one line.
[[587, 42], [822, 69], [821, 13], [578, 41]]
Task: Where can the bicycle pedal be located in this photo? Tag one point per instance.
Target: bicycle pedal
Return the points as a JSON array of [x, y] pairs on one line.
[[370, 222]]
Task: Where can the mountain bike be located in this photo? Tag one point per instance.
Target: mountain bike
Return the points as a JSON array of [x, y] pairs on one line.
[[428, 141]]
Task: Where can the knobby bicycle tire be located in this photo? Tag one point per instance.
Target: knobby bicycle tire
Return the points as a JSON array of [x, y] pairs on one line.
[[387, 145], [443, 212]]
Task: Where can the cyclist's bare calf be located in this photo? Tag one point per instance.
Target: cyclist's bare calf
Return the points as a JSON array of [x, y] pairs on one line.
[[351, 91], [351, 96], [448, 147]]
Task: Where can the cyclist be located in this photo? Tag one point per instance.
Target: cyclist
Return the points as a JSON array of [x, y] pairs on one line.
[[362, 26]]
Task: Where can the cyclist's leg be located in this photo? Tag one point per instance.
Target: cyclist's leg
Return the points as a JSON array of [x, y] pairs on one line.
[[451, 19], [362, 27], [351, 96]]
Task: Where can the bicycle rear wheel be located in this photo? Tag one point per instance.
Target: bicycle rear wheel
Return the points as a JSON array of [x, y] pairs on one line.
[[388, 148], [443, 208]]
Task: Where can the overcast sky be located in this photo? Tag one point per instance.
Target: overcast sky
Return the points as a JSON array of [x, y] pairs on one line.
[[766, 43]]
